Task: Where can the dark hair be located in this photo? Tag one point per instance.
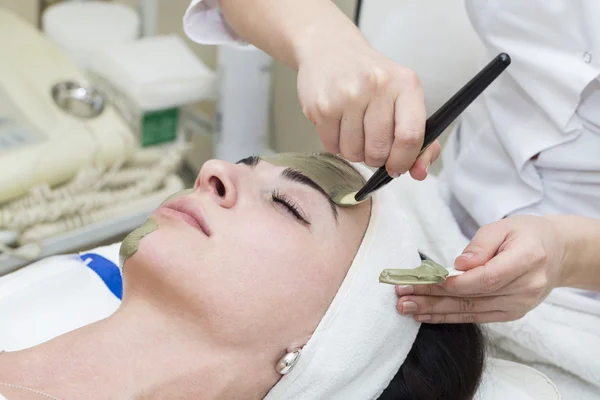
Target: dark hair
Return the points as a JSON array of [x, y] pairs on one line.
[[445, 363]]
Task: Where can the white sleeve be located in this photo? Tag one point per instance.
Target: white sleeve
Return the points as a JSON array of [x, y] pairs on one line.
[[204, 23]]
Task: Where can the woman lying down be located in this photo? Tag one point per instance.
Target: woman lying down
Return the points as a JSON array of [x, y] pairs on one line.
[[256, 285]]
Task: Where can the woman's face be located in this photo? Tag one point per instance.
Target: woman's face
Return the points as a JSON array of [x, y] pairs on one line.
[[255, 252]]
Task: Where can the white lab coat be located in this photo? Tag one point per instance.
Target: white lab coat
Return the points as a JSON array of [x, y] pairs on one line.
[[546, 104]]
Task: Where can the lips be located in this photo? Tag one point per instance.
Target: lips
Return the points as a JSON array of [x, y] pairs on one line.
[[189, 213]]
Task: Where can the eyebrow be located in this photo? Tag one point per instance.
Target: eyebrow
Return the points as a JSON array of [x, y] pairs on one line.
[[295, 176], [249, 161]]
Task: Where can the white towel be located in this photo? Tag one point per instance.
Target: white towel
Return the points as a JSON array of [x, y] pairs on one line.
[[560, 338], [362, 340], [156, 72], [558, 341]]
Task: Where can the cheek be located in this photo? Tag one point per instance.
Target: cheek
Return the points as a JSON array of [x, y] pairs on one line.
[[266, 249], [271, 261], [276, 262], [257, 271]]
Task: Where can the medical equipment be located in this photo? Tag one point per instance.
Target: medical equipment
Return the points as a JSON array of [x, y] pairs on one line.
[[98, 203], [39, 141], [77, 99], [441, 119], [75, 178]]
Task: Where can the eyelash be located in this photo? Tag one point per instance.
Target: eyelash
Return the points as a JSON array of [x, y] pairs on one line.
[[289, 205]]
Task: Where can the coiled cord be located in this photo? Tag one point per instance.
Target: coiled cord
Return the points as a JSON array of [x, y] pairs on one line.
[[94, 194]]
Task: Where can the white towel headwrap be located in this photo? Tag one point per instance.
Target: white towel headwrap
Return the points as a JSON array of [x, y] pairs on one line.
[[362, 340]]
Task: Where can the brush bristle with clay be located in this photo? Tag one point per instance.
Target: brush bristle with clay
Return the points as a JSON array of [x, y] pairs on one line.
[[345, 200]]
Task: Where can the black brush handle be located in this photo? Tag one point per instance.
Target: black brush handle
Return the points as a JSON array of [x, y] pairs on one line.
[[442, 118]]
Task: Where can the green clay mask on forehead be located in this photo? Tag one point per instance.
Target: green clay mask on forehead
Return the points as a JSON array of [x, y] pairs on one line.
[[427, 273], [333, 174], [132, 241]]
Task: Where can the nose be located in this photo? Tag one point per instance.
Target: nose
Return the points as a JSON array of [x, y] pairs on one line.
[[219, 178]]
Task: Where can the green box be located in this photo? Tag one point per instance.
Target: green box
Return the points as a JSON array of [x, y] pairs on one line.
[[159, 127], [149, 128]]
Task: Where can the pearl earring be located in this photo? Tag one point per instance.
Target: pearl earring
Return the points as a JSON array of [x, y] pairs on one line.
[[288, 361]]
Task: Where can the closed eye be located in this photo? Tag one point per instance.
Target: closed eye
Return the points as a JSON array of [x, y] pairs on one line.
[[290, 206], [295, 176]]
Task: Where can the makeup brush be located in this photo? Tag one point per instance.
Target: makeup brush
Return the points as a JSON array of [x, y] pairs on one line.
[[437, 123]]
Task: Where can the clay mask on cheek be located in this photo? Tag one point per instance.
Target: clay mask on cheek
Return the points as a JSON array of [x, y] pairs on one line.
[[132, 241], [334, 175]]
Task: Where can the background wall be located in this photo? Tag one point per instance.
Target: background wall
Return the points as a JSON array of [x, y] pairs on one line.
[[27, 9], [291, 131]]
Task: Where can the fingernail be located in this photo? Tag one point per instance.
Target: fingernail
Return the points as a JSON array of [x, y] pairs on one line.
[[423, 318], [467, 255], [404, 290], [395, 175], [427, 167], [409, 307]]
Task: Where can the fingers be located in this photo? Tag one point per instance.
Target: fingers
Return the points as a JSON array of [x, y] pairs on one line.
[[329, 132], [420, 168], [485, 244], [441, 290], [352, 134], [379, 130], [327, 120], [500, 271], [409, 112], [454, 305], [381, 123], [446, 310], [468, 318]]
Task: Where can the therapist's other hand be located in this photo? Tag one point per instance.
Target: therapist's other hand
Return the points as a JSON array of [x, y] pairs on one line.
[[365, 107], [511, 266]]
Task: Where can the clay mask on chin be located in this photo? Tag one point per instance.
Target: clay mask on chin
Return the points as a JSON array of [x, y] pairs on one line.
[[132, 241], [333, 174]]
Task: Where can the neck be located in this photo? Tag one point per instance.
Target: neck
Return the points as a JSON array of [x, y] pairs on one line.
[[141, 352]]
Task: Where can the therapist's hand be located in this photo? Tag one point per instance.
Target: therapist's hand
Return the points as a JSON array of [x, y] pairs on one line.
[[511, 266], [365, 106]]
